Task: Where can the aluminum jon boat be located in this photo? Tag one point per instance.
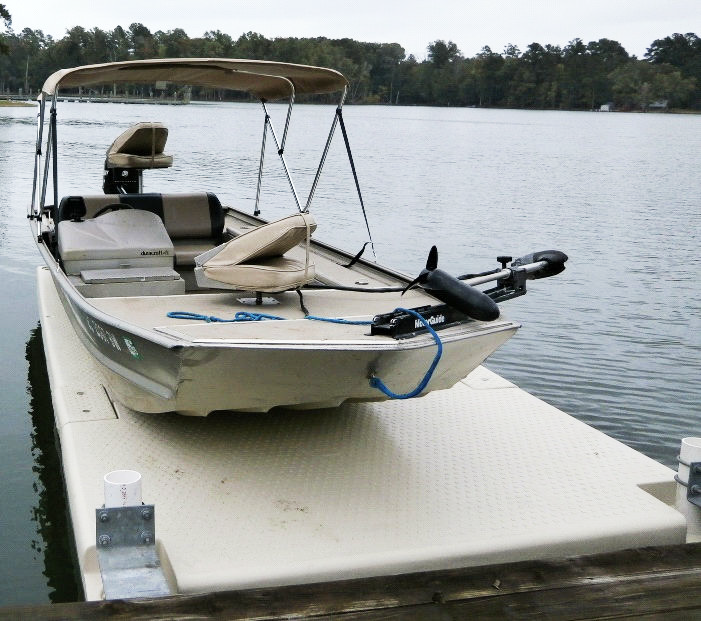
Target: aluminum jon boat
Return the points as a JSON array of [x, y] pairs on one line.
[[192, 307]]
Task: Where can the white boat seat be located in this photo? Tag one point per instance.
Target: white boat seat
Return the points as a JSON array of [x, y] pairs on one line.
[[254, 261], [194, 221], [131, 238], [141, 146]]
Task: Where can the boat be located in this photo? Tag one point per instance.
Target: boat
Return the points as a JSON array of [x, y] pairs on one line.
[[191, 306]]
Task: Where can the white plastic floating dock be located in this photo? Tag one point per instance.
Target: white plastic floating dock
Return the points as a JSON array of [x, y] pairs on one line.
[[480, 474]]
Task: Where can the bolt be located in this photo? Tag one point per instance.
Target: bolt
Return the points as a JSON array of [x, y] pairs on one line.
[[696, 490], [104, 540], [146, 514], [146, 537], [104, 516]]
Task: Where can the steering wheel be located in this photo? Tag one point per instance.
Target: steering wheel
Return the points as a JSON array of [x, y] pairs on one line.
[[112, 207]]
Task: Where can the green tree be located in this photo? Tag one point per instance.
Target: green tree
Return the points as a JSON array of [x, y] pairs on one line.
[[638, 83], [486, 68], [141, 41], [441, 53], [682, 51], [605, 57], [7, 20]]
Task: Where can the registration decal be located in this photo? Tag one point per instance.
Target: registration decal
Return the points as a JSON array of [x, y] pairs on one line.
[[131, 347]]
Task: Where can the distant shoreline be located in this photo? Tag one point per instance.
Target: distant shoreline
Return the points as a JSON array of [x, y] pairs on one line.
[[7, 103]]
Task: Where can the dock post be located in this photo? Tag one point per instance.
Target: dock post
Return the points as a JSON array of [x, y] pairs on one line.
[[688, 492], [125, 539]]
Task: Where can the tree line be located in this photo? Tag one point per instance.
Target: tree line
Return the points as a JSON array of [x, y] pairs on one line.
[[578, 76]]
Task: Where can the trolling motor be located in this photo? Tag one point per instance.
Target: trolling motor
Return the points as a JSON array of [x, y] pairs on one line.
[[462, 301], [457, 294]]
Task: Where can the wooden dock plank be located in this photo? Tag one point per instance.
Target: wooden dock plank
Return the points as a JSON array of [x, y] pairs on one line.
[[645, 583]]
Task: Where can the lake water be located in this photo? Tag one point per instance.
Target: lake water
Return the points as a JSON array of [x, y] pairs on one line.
[[615, 340]]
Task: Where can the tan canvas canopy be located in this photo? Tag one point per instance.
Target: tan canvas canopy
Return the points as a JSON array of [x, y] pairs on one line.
[[265, 79]]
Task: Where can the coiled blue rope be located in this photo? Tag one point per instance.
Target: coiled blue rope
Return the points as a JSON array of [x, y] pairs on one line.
[[240, 316], [375, 382], [247, 316]]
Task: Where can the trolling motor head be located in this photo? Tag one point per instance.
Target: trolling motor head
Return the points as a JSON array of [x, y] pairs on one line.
[[555, 263], [461, 296]]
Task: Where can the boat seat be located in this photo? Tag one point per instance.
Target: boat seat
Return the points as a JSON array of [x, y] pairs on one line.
[[255, 261], [194, 222], [125, 239], [141, 146]]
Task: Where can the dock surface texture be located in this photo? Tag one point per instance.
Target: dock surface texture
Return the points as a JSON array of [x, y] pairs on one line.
[[474, 476]]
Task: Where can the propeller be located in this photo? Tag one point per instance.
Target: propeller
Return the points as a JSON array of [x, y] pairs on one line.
[[461, 296]]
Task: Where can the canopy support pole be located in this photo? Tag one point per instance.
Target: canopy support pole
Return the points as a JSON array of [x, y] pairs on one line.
[[34, 211], [256, 210], [47, 159], [280, 152], [326, 151], [54, 150]]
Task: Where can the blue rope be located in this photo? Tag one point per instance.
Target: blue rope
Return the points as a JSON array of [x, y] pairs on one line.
[[240, 316], [376, 382], [246, 316], [348, 322]]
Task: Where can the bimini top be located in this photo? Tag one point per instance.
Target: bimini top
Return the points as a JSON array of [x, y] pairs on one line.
[[265, 79]]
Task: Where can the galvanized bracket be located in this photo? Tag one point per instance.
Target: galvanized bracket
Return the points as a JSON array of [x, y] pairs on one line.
[[126, 550], [693, 486]]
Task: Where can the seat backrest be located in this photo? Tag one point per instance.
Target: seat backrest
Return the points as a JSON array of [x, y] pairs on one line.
[[140, 146], [185, 216], [264, 242]]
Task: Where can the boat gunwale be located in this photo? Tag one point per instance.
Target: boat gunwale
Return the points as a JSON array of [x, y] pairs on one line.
[[447, 336]]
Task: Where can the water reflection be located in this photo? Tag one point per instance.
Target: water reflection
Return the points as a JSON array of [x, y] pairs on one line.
[[54, 534]]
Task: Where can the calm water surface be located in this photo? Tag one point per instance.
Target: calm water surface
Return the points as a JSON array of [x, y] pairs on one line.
[[615, 340]]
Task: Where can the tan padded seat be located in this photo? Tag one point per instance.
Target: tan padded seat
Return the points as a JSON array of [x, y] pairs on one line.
[[141, 146], [194, 221], [254, 261]]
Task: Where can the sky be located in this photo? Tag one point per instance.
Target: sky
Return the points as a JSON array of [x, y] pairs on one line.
[[471, 24]]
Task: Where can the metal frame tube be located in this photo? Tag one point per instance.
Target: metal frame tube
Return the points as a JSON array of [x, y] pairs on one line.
[[505, 273], [322, 161], [47, 159], [54, 153], [282, 158], [256, 210], [37, 156], [287, 120]]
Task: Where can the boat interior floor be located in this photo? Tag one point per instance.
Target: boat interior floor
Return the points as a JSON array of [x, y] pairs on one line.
[[151, 312]]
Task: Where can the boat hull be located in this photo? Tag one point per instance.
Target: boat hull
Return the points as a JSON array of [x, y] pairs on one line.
[[244, 378], [150, 371]]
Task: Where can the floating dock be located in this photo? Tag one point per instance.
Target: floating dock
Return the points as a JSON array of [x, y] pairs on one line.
[[478, 475]]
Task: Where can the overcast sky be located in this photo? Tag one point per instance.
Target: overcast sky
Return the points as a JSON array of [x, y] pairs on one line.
[[471, 24]]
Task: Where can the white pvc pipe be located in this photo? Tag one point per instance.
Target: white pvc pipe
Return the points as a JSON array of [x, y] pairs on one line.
[[122, 488], [690, 452]]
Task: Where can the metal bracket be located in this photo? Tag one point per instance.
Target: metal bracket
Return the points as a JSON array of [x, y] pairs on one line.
[[693, 487], [126, 550], [513, 286], [258, 301]]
